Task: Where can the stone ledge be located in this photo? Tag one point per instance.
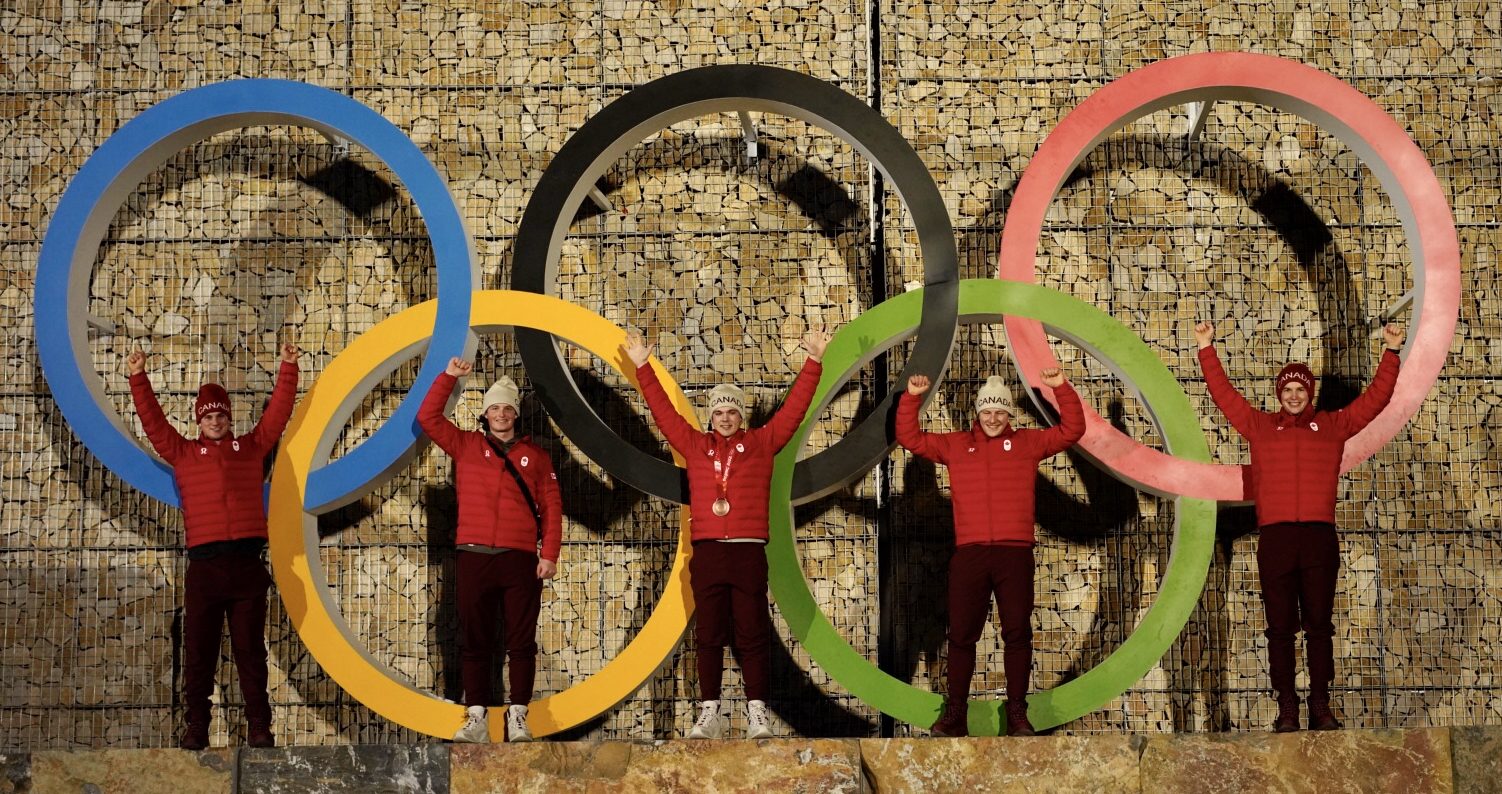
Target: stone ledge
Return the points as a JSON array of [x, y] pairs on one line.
[[1477, 753], [1466, 759], [1041, 763], [420, 769], [1355, 761], [135, 771], [15, 771], [771, 765]]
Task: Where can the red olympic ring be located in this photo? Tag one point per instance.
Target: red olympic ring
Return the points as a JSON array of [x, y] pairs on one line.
[[1336, 107]]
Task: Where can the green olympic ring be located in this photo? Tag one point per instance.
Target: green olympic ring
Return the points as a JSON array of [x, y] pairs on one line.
[[1108, 341]]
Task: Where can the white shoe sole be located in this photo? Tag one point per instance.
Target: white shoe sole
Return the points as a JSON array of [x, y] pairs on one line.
[[699, 733], [471, 738]]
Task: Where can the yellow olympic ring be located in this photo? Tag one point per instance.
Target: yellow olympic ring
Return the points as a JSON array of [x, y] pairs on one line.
[[312, 608]]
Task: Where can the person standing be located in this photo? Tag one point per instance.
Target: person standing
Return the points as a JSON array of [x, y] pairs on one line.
[[508, 504], [729, 481], [1295, 475], [993, 468], [220, 479]]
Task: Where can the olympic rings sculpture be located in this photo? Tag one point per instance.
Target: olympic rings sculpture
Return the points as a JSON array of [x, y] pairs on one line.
[[305, 483], [144, 144]]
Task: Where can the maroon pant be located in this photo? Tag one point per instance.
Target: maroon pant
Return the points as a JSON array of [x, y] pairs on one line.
[[1298, 564], [976, 573], [229, 586], [729, 581], [508, 581]]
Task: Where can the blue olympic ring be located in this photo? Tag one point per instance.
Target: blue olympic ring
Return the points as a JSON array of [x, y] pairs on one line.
[[144, 144]]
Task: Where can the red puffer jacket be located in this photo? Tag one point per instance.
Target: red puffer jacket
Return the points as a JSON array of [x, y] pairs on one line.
[[492, 509], [750, 467], [1296, 459], [219, 483], [992, 480]]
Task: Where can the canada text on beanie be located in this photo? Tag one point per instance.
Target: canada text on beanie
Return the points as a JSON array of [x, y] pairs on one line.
[[1298, 373], [211, 398], [727, 395], [995, 394]]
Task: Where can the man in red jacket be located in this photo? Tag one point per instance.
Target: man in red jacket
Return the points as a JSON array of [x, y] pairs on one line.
[[219, 482], [508, 502], [1295, 473], [993, 469], [729, 477]]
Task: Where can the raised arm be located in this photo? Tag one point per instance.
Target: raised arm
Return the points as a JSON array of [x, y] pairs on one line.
[[283, 397], [678, 431], [1365, 408], [909, 434], [164, 439], [431, 416], [1071, 424], [784, 423], [1237, 410]]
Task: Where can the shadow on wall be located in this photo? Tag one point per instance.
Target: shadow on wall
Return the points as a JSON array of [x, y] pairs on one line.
[[375, 208], [604, 508], [240, 294], [1198, 663], [1109, 505]]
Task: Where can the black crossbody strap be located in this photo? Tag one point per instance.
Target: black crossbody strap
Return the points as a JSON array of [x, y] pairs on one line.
[[516, 475]]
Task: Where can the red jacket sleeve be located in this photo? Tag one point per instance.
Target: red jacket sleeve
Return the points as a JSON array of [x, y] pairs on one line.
[[1237, 410], [279, 409], [911, 436], [164, 439], [1071, 424], [783, 424], [678, 431], [550, 504], [1365, 408], [431, 417]]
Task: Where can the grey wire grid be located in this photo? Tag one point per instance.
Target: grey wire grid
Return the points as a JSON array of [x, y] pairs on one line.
[[1295, 256]]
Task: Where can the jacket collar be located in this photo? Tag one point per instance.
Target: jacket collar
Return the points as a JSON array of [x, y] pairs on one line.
[[738, 435], [1302, 419]]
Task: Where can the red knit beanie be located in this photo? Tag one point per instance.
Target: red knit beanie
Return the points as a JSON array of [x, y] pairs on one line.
[[211, 397], [1296, 372]]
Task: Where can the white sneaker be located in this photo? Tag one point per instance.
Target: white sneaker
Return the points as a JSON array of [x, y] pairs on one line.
[[476, 727], [710, 725], [516, 725], [758, 722]]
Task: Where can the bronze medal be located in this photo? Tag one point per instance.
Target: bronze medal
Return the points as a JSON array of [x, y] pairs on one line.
[[721, 506]]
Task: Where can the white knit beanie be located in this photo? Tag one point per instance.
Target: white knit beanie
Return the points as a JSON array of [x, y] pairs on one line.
[[502, 392], [727, 395], [995, 394]]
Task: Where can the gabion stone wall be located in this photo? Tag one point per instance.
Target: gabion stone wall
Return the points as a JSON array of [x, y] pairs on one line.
[[1263, 223]]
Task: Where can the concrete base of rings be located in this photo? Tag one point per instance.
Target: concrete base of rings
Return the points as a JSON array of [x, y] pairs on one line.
[[1420, 759]]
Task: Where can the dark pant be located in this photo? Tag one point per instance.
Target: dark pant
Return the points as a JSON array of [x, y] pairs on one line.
[[229, 586], [507, 580], [1298, 564], [976, 573], [729, 581]]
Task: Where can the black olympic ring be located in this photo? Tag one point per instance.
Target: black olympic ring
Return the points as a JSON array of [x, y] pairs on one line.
[[715, 89]]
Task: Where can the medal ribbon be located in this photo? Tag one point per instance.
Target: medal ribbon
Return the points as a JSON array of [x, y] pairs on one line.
[[723, 471]]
